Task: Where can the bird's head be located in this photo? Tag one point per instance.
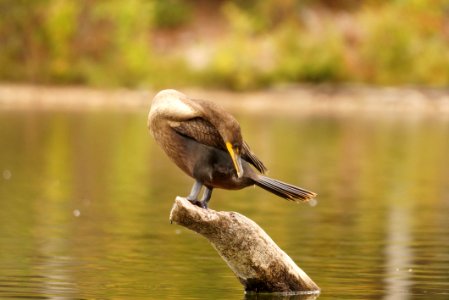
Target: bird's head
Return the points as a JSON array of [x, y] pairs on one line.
[[172, 104]]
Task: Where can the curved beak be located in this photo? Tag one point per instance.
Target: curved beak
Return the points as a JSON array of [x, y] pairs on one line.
[[235, 159]]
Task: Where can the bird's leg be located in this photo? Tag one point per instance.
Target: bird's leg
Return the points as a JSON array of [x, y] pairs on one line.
[[193, 196], [206, 197]]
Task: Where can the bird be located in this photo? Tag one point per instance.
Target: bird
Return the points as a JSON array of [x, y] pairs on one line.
[[206, 142]]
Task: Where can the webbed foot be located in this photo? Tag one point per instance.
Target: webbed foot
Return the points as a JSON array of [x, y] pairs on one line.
[[193, 196], [202, 204]]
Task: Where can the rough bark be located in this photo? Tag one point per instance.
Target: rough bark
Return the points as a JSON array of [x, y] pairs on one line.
[[259, 264]]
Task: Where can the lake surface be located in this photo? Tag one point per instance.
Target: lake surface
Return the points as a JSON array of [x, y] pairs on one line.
[[85, 199]]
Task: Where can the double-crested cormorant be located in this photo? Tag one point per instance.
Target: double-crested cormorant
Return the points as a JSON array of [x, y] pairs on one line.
[[206, 143]]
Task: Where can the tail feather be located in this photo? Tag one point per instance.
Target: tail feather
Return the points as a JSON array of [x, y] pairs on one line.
[[284, 190]]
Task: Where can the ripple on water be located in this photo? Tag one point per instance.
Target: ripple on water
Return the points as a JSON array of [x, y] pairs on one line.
[[377, 231]]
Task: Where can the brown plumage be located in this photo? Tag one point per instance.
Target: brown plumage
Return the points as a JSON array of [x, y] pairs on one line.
[[205, 142]]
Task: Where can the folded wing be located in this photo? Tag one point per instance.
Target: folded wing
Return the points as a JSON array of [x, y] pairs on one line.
[[205, 133]]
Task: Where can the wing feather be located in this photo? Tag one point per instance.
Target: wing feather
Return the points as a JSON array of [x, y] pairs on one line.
[[201, 131], [250, 157], [205, 133]]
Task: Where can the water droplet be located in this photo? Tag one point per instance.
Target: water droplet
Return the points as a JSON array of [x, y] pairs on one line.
[[313, 202], [178, 231], [76, 213], [410, 270], [7, 174]]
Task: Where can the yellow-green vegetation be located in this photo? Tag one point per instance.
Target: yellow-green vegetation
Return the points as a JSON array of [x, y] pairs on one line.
[[261, 43]]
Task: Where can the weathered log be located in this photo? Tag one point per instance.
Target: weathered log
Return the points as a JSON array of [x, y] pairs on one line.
[[256, 260]]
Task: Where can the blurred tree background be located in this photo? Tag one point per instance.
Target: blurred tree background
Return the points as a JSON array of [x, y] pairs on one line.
[[222, 43]]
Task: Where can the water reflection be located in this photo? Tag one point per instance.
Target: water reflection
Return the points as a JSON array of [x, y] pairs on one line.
[[85, 197], [398, 254], [281, 297]]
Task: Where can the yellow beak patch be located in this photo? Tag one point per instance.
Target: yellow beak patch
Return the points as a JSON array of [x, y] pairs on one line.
[[235, 159]]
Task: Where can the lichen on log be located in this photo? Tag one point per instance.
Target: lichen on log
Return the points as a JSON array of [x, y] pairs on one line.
[[259, 264]]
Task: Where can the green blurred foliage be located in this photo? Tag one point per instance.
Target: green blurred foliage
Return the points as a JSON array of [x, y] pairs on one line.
[[301, 58], [171, 13], [236, 62], [261, 43], [406, 42], [83, 42]]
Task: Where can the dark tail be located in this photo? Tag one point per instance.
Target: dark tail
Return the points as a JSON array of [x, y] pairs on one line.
[[282, 189]]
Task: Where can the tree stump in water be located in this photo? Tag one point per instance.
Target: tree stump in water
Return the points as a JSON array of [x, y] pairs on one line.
[[259, 264]]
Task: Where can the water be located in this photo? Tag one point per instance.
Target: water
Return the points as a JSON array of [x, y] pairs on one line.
[[85, 199]]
